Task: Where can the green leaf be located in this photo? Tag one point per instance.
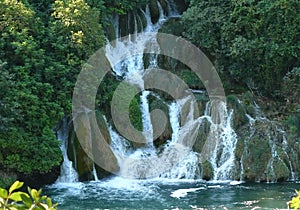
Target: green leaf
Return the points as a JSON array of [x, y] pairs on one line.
[[49, 202], [15, 186], [39, 192], [3, 193], [26, 200], [16, 196], [34, 194]]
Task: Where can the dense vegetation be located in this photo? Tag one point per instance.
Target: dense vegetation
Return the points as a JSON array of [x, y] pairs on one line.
[[255, 45]]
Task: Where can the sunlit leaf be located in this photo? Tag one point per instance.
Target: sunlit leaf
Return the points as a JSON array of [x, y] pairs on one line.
[[15, 186], [16, 196], [49, 202], [3, 193]]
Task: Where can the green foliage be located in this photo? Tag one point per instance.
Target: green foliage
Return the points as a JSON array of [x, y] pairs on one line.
[[28, 109], [254, 41], [295, 202], [80, 22], [291, 86], [135, 114], [122, 6], [12, 200]]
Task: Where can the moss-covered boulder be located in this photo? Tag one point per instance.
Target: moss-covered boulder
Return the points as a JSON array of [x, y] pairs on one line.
[[157, 103], [154, 11], [207, 170], [239, 112], [262, 150], [77, 150]]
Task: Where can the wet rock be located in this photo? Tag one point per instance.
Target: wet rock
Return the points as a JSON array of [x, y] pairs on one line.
[[239, 112], [84, 153], [156, 103], [154, 11], [264, 156], [181, 5], [207, 170]]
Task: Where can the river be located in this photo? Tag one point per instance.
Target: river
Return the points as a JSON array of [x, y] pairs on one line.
[[119, 193]]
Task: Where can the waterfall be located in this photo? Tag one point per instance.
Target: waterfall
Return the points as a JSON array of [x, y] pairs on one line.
[[173, 156], [142, 162], [176, 158], [95, 173], [147, 126], [223, 138], [67, 173]]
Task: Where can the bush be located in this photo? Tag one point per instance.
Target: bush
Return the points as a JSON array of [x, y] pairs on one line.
[[10, 200], [295, 202]]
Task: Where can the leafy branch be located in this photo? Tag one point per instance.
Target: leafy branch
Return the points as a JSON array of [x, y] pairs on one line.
[[295, 202], [17, 200]]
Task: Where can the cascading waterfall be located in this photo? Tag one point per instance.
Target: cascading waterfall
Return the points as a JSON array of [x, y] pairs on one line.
[[177, 160], [176, 157], [67, 174], [146, 119], [142, 163]]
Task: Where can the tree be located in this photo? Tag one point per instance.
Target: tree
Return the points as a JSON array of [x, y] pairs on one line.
[[256, 42]]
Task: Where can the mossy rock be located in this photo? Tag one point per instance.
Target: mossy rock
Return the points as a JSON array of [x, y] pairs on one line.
[[207, 170], [239, 149], [202, 136], [110, 32], [281, 170], [181, 5], [239, 112], [256, 159], [249, 102], [81, 161], [154, 11], [156, 103], [172, 26]]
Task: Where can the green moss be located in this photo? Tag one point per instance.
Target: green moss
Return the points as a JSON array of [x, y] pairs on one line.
[[239, 114], [256, 159], [135, 114], [282, 172], [207, 170], [239, 149]]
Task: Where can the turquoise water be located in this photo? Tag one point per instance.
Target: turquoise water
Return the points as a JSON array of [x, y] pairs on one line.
[[119, 193]]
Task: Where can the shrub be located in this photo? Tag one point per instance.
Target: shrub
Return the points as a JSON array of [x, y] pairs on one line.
[[295, 202], [17, 200]]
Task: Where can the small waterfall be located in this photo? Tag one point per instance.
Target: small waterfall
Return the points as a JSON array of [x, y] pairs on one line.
[[95, 173], [223, 138], [174, 116], [280, 154], [172, 7], [146, 119], [67, 173]]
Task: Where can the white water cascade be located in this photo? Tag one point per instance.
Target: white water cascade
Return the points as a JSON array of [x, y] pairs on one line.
[[224, 138], [176, 159], [67, 173]]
